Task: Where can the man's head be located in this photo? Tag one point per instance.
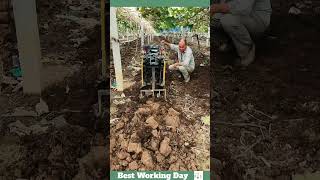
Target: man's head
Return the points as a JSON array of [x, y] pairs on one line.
[[182, 45]]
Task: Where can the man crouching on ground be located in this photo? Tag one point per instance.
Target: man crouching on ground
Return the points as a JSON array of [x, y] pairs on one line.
[[185, 62], [242, 21]]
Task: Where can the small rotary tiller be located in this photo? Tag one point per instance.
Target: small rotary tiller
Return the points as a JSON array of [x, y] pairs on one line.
[[153, 70]]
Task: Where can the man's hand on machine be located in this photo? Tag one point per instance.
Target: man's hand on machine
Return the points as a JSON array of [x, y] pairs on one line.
[[176, 65]]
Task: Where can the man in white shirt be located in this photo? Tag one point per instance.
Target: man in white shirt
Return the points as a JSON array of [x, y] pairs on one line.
[[243, 21], [185, 62]]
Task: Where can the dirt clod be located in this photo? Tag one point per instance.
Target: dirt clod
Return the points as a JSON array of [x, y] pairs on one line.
[[173, 159], [134, 137], [134, 147], [155, 107], [119, 125], [173, 112], [155, 133], [124, 144], [133, 165], [160, 127], [165, 148], [129, 159], [123, 163], [122, 155], [174, 167], [146, 159], [152, 122], [143, 111], [154, 144], [172, 118], [160, 157], [172, 121]]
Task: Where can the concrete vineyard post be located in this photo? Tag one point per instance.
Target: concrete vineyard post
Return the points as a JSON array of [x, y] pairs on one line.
[[116, 48], [26, 22]]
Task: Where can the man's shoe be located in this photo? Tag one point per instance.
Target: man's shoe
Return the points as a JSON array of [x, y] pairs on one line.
[[250, 56], [187, 80]]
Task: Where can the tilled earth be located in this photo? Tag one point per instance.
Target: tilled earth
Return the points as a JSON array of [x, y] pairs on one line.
[[150, 140], [266, 118], [160, 135], [68, 141]]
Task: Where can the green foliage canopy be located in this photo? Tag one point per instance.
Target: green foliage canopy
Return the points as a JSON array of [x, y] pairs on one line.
[[164, 18], [126, 25]]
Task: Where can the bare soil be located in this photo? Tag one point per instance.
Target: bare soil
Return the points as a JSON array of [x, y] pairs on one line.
[[69, 141], [156, 134], [266, 117]]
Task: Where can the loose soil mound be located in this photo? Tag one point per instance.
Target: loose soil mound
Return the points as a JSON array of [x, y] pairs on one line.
[[157, 137]]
